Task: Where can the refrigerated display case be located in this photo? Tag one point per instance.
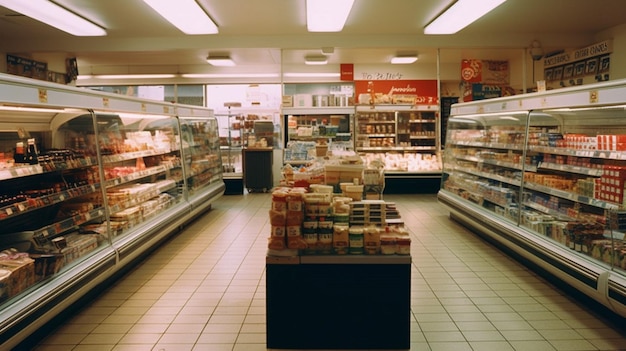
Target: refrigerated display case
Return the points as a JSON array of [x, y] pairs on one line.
[[544, 175], [232, 134], [90, 182], [311, 132], [405, 139]]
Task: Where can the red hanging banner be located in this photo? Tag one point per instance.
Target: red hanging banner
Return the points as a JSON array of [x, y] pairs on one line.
[[347, 71]]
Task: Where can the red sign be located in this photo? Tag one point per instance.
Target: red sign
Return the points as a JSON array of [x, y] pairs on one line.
[[409, 92], [347, 71], [471, 71]]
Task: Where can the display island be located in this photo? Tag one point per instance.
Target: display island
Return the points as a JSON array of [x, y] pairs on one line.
[[346, 262], [544, 175], [90, 182]]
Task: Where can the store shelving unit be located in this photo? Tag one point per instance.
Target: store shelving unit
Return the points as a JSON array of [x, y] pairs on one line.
[[544, 174], [405, 138], [232, 135], [311, 131], [114, 177]]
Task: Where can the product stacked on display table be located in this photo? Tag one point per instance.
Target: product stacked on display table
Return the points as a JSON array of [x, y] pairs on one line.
[[318, 222]]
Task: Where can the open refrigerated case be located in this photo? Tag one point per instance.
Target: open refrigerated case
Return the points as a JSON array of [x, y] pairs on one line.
[[544, 174], [90, 182]]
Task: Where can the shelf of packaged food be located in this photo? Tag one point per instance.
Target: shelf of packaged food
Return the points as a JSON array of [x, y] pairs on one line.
[[30, 204], [22, 170], [563, 194], [502, 146], [601, 154], [42, 235], [397, 148], [421, 137], [134, 155], [592, 172], [491, 176], [552, 212], [505, 164], [135, 175]]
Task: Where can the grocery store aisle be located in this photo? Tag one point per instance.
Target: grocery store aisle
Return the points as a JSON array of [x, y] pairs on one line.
[[205, 290]]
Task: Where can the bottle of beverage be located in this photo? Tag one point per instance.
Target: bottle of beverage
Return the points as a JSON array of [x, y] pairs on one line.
[[31, 152], [18, 156]]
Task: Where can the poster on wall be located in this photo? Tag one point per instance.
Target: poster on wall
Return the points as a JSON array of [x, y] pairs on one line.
[[480, 78], [405, 92], [495, 72]]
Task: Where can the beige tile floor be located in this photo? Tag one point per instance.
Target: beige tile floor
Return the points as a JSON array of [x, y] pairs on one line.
[[205, 290]]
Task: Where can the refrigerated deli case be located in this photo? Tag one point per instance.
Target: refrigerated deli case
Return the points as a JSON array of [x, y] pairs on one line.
[[89, 182], [544, 174]]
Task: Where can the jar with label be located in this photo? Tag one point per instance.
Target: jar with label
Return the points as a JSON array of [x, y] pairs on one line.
[[356, 242], [279, 201], [325, 237], [403, 245], [371, 239], [340, 239], [387, 244], [309, 234]]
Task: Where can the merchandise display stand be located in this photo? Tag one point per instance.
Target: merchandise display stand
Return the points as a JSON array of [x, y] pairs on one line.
[[338, 302]]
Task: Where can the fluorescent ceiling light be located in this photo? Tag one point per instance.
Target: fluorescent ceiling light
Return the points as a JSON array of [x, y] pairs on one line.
[[221, 61], [316, 60], [55, 16], [311, 75], [230, 75], [403, 60], [187, 15], [127, 76], [327, 15], [460, 15]]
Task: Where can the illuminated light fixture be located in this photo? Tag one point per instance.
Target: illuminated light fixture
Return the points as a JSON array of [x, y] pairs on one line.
[[186, 15], [230, 75], [311, 75], [327, 15], [127, 76], [460, 15], [221, 61], [316, 60], [403, 59], [56, 16]]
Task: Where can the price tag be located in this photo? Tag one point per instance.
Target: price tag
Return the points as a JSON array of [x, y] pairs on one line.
[[21, 207], [61, 197], [87, 216], [8, 211]]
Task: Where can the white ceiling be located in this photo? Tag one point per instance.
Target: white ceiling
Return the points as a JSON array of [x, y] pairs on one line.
[[264, 33]]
